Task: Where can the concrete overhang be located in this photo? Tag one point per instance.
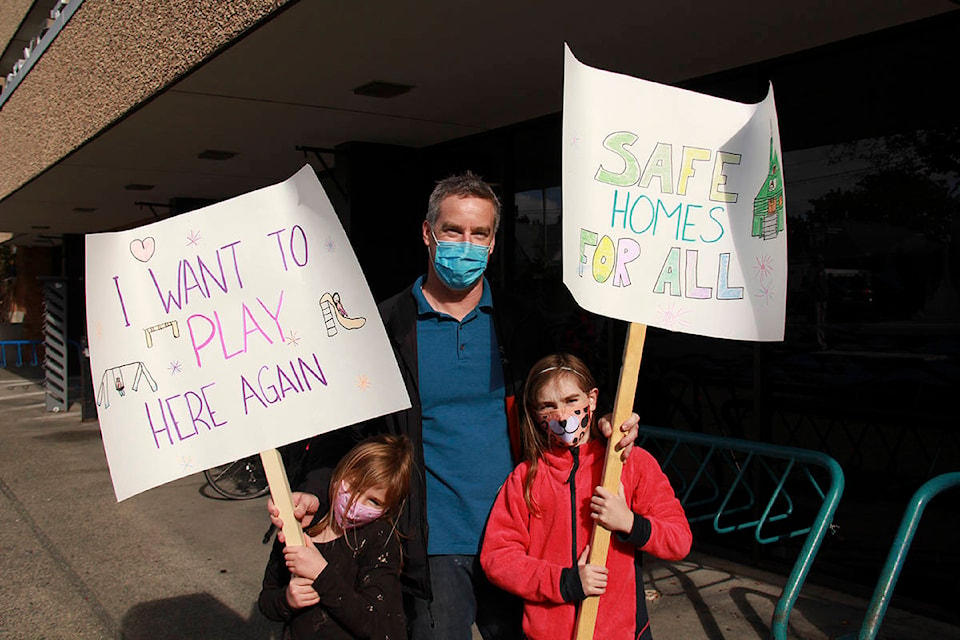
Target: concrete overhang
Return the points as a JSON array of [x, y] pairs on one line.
[[132, 93]]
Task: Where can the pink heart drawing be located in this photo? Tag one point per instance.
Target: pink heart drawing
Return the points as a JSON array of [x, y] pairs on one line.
[[143, 250]]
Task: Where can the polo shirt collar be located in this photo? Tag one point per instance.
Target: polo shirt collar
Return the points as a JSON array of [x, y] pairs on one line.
[[424, 308]]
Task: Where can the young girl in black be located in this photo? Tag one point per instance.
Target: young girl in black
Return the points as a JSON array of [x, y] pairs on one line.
[[345, 581]]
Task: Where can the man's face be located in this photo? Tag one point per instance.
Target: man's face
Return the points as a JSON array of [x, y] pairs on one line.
[[466, 219]]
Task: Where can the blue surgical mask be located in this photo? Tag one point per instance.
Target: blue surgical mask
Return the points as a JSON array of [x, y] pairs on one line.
[[460, 264]]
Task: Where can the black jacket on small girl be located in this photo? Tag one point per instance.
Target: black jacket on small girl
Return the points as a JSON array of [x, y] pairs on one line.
[[359, 589]]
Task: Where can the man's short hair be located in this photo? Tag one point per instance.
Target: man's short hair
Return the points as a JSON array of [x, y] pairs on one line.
[[464, 185]]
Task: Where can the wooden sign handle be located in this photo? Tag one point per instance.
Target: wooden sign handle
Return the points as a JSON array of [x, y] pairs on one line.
[[280, 492], [612, 467]]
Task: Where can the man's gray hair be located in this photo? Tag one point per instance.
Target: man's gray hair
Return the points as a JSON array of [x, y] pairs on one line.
[[464, 185]]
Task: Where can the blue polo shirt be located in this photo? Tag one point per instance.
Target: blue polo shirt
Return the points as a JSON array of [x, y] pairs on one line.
[[466, 446]]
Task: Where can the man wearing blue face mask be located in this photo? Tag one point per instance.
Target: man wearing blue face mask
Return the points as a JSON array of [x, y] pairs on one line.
[[463, 351]]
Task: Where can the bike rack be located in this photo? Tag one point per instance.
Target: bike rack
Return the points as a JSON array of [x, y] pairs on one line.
[[20, 345], [898, 553], [698, 466]]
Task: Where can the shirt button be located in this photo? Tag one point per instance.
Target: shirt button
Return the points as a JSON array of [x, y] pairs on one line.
[[462, 347]]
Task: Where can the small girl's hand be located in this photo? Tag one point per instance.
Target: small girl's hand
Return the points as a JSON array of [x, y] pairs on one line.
[[611, 511], [593, 579], [300, 593], [305, 561]]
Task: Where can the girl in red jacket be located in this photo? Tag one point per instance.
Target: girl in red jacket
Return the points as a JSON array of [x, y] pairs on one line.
[[535, 544]]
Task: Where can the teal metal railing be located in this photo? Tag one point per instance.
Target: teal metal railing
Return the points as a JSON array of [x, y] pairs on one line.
[[898, 553], [19, 346], [739, 485]]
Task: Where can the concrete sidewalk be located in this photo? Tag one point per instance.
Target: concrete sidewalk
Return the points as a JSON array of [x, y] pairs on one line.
[[179, 563]]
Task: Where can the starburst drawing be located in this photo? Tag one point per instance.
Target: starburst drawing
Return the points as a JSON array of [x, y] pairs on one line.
[[331, 245], [672, 316], [175, 367], [766, 292], [193, 238], [187, 462], [764, 267], [293, 339], [363, 382]]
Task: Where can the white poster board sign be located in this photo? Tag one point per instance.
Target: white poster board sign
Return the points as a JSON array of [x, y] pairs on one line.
[[230, 330], [673, 206]]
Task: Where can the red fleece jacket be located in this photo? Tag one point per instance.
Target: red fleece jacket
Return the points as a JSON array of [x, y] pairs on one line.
[[526, 553]]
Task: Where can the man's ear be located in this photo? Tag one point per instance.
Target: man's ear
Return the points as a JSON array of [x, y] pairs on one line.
[[426, 233]]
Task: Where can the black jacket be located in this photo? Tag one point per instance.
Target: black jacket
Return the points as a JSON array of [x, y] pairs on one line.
[[522, 339], [359, 591]]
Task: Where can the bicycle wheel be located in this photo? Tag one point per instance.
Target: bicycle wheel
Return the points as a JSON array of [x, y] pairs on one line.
[[239, 480]]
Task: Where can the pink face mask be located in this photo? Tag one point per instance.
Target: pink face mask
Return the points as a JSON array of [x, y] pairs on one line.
[[357, 516], [567, 428]]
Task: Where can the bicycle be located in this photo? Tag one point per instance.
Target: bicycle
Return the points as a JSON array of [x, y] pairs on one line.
[[245, 479], [242, 479]]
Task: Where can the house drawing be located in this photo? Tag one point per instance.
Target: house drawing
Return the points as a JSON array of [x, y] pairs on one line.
[[768, 209]]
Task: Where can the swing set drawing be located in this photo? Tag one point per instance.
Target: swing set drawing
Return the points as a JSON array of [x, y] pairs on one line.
[[172, 325], [113, 378]]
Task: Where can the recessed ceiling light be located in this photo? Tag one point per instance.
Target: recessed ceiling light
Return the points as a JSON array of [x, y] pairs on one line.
[[84, 209], [216, 154], [382, 89], [139, 187]]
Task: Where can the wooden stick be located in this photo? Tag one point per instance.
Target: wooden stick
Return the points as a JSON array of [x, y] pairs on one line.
[[612, 467], [280, 492]]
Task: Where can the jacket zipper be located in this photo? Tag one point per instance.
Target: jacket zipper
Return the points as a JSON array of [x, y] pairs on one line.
[[572, 481]]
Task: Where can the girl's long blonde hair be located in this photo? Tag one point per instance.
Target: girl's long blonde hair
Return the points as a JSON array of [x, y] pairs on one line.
[[379, 461], [534, 438]]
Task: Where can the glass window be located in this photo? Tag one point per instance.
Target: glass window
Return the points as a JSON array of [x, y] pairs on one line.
[[538, 229]]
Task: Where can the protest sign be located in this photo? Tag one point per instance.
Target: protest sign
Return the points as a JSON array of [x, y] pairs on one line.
[[231, 330], [673, 206], [673, 217]]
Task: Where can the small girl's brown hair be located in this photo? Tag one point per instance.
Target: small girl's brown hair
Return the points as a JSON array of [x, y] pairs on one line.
[[534, 439], [379, 461]]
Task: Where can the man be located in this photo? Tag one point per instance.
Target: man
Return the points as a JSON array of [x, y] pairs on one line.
[[463, 351]]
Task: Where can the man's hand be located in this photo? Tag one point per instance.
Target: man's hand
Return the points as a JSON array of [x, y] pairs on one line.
[[630, 429], [306, 561], [300, 593], [611, 511], [593, 579], [305, 507]]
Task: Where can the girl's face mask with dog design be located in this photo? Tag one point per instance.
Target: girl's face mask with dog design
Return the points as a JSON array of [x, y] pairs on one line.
[[565, 411], [568, 428]]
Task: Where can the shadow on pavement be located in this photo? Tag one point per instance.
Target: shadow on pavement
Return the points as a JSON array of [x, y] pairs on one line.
[[706, 617], [198, 616]]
